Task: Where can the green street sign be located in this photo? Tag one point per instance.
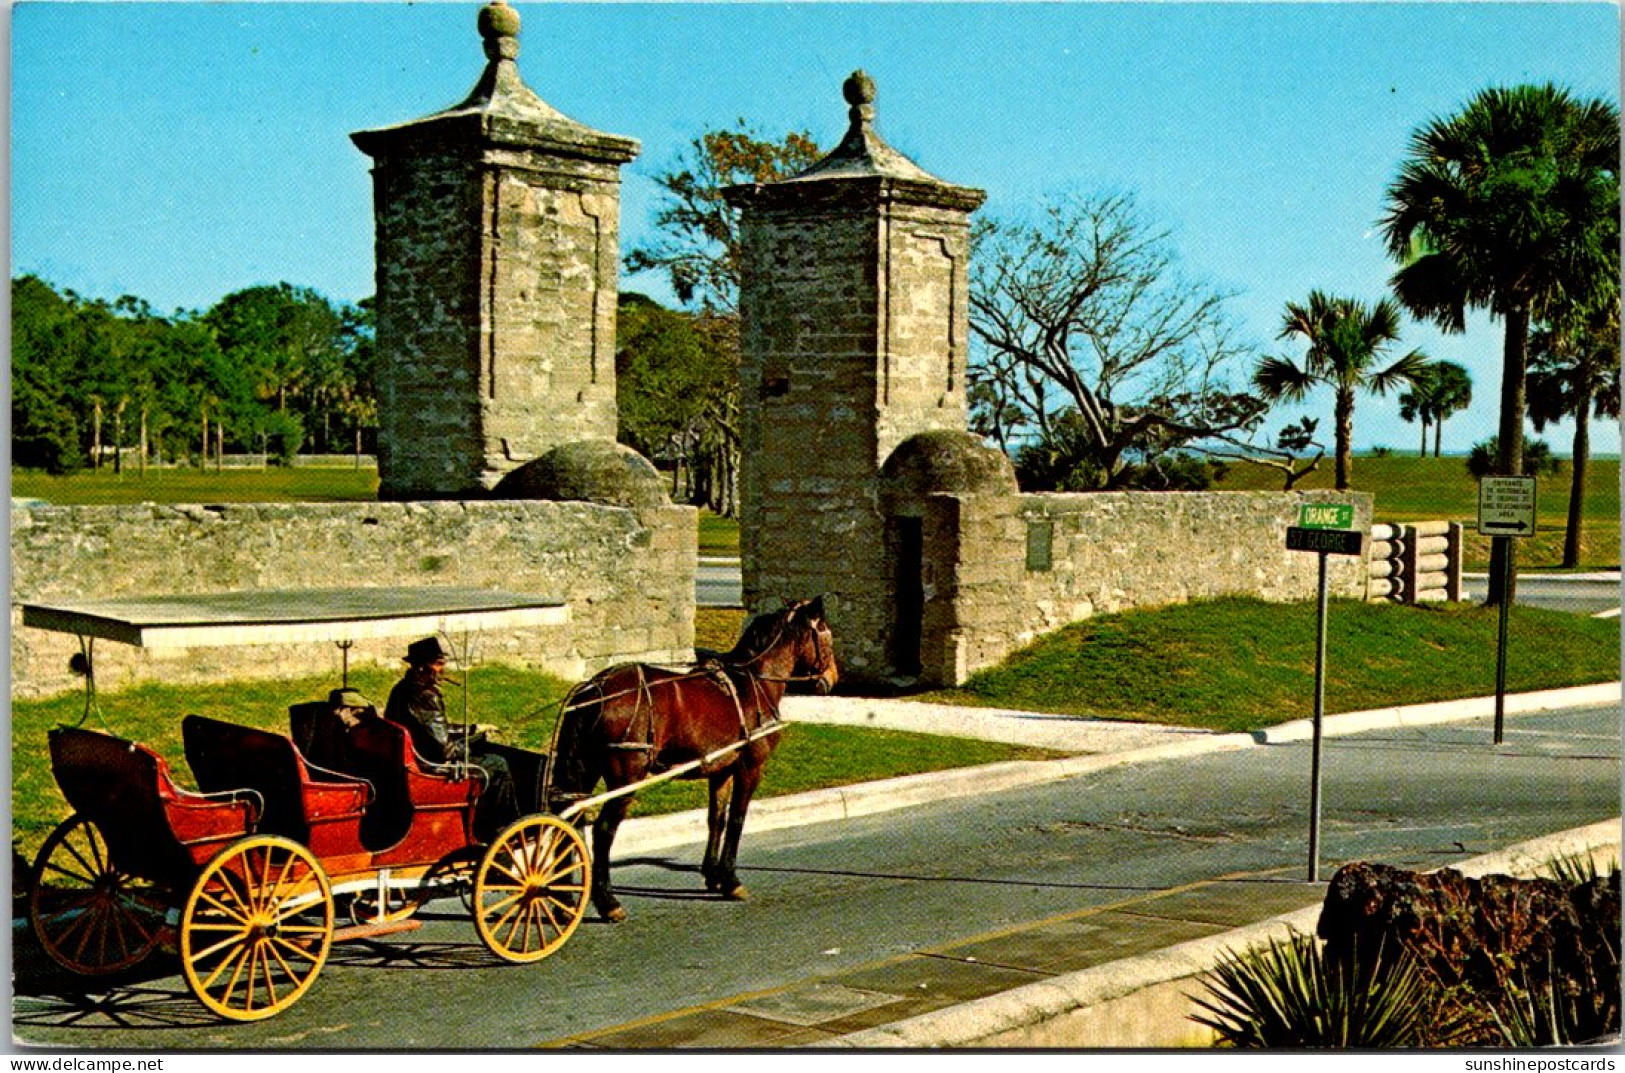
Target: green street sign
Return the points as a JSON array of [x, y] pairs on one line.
[[1326, 516]]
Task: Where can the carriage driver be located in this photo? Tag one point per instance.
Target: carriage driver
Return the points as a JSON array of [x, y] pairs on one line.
[[416, 704]]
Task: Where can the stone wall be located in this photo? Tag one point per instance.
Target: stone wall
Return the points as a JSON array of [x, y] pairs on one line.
[[1001, 570], [628, 577]]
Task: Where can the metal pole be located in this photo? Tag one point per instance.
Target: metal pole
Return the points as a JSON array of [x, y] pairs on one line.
[[1320, 712], [1501, 643]]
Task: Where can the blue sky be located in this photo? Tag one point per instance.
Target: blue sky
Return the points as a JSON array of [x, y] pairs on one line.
[[180, 151]]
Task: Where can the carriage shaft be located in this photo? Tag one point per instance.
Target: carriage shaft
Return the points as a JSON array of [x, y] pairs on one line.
[[666, 776]]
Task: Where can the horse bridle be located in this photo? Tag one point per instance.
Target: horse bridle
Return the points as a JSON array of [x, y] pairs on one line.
[[822, 662]]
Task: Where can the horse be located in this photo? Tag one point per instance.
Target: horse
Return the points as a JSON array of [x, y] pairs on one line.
[[633, 721]]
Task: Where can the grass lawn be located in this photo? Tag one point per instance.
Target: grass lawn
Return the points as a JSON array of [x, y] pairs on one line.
[[1239, 664], [809, 757], [271, 485], [718, 535]]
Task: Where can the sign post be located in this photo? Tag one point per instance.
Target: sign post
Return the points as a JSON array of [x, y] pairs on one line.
[[1506, 510], [1322, 528]]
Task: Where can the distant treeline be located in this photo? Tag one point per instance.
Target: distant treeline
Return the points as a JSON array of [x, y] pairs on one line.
[[267, 369]]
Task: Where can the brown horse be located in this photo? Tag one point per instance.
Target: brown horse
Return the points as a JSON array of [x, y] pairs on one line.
[[634, 721]]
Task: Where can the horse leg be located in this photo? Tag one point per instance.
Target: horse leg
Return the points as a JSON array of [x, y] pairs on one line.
[[746, 779], [603, 837], [716, 820]]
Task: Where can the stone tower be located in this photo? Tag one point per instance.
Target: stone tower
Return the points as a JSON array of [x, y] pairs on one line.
[[497, 246], [853, 339]]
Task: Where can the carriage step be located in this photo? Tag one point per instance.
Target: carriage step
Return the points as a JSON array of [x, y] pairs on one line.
[[371, 931]]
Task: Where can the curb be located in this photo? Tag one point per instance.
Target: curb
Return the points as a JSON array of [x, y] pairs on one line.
[[638, 836], [1024, 1016]]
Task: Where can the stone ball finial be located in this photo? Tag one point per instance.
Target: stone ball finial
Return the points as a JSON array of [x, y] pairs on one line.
[[499, 29], [859, 89]]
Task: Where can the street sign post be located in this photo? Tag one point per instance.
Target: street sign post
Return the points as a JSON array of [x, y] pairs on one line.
[[1506, 511], [1322, 528]]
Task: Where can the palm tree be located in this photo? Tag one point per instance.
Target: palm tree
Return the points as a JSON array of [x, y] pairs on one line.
[[1511, 206], [1346, 339], [1417, 405], [1574, 372], [1444, 390], [1452, 393]]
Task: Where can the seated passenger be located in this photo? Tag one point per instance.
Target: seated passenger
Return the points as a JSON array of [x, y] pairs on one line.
[[350, 707], [417, 704]]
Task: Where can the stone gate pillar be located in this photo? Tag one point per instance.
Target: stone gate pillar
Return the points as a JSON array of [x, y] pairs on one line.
[[853, 338], [497, 246]]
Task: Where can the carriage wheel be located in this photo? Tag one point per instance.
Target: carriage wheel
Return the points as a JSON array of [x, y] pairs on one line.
[[530, 890], [91, 917], [257, 928]]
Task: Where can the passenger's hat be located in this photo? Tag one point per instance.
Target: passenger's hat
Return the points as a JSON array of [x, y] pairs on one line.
[[348, 698], [425, 651]]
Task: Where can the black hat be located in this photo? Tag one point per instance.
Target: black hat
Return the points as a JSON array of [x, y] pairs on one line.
[[426, 651]]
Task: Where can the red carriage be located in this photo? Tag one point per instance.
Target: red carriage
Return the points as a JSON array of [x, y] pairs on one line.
[[245, 875]]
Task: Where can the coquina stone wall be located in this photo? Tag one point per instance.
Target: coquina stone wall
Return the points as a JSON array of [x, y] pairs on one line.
[[999, 570], [627, 575]]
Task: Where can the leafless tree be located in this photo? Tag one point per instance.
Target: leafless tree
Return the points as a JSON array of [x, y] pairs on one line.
[[1083, 307]]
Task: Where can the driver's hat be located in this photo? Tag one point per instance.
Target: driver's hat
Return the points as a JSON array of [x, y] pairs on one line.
[[420, 653]]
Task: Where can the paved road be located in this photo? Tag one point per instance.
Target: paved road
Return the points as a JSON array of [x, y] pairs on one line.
[[1583, 595], [717, 584], [832, 896]]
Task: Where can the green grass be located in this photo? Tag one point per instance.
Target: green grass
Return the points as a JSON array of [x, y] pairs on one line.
[[272, 485], [1240, 664], [718, 535], [521, 702], [1411, 489]]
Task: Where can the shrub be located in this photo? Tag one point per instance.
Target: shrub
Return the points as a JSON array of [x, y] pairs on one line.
[[1537, 458], [1290, 994], [284, 435]]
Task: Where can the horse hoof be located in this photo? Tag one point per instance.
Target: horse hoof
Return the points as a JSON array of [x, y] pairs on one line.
[[615, 916], [738, 894]]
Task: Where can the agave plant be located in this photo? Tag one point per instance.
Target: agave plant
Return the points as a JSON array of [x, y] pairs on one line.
[[1545, 1013], [1290, 994]]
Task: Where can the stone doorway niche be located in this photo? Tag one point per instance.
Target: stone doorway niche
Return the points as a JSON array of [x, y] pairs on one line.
[[905, 552], [923, 485]]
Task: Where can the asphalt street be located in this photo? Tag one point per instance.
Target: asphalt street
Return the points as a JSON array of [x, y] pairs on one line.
[[1559, 592], [830, 897]]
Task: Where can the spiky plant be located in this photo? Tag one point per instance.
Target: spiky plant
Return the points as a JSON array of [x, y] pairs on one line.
[[1289, 994]]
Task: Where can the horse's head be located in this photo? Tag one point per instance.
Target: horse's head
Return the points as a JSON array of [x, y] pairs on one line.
[[815, 646]]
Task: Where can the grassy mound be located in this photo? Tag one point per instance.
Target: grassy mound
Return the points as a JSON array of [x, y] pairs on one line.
[[1241, 664]]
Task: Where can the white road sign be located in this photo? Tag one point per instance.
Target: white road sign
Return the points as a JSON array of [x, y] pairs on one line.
[[1506, 506]]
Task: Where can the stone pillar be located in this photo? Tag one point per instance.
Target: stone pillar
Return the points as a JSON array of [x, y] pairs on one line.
[[853, 325], [497, 246]]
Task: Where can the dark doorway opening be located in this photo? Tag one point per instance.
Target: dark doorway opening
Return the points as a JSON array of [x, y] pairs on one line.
[[908, 555]]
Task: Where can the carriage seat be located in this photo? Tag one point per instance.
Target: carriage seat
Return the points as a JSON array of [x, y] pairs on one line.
[[309, 804], [381, 752], [154, 828]]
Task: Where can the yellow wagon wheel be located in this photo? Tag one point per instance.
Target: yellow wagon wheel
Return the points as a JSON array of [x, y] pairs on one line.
[[257, 928], [91, 917], [530, 890]]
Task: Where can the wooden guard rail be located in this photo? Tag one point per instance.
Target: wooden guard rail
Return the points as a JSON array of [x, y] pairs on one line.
[[1418, 563]]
